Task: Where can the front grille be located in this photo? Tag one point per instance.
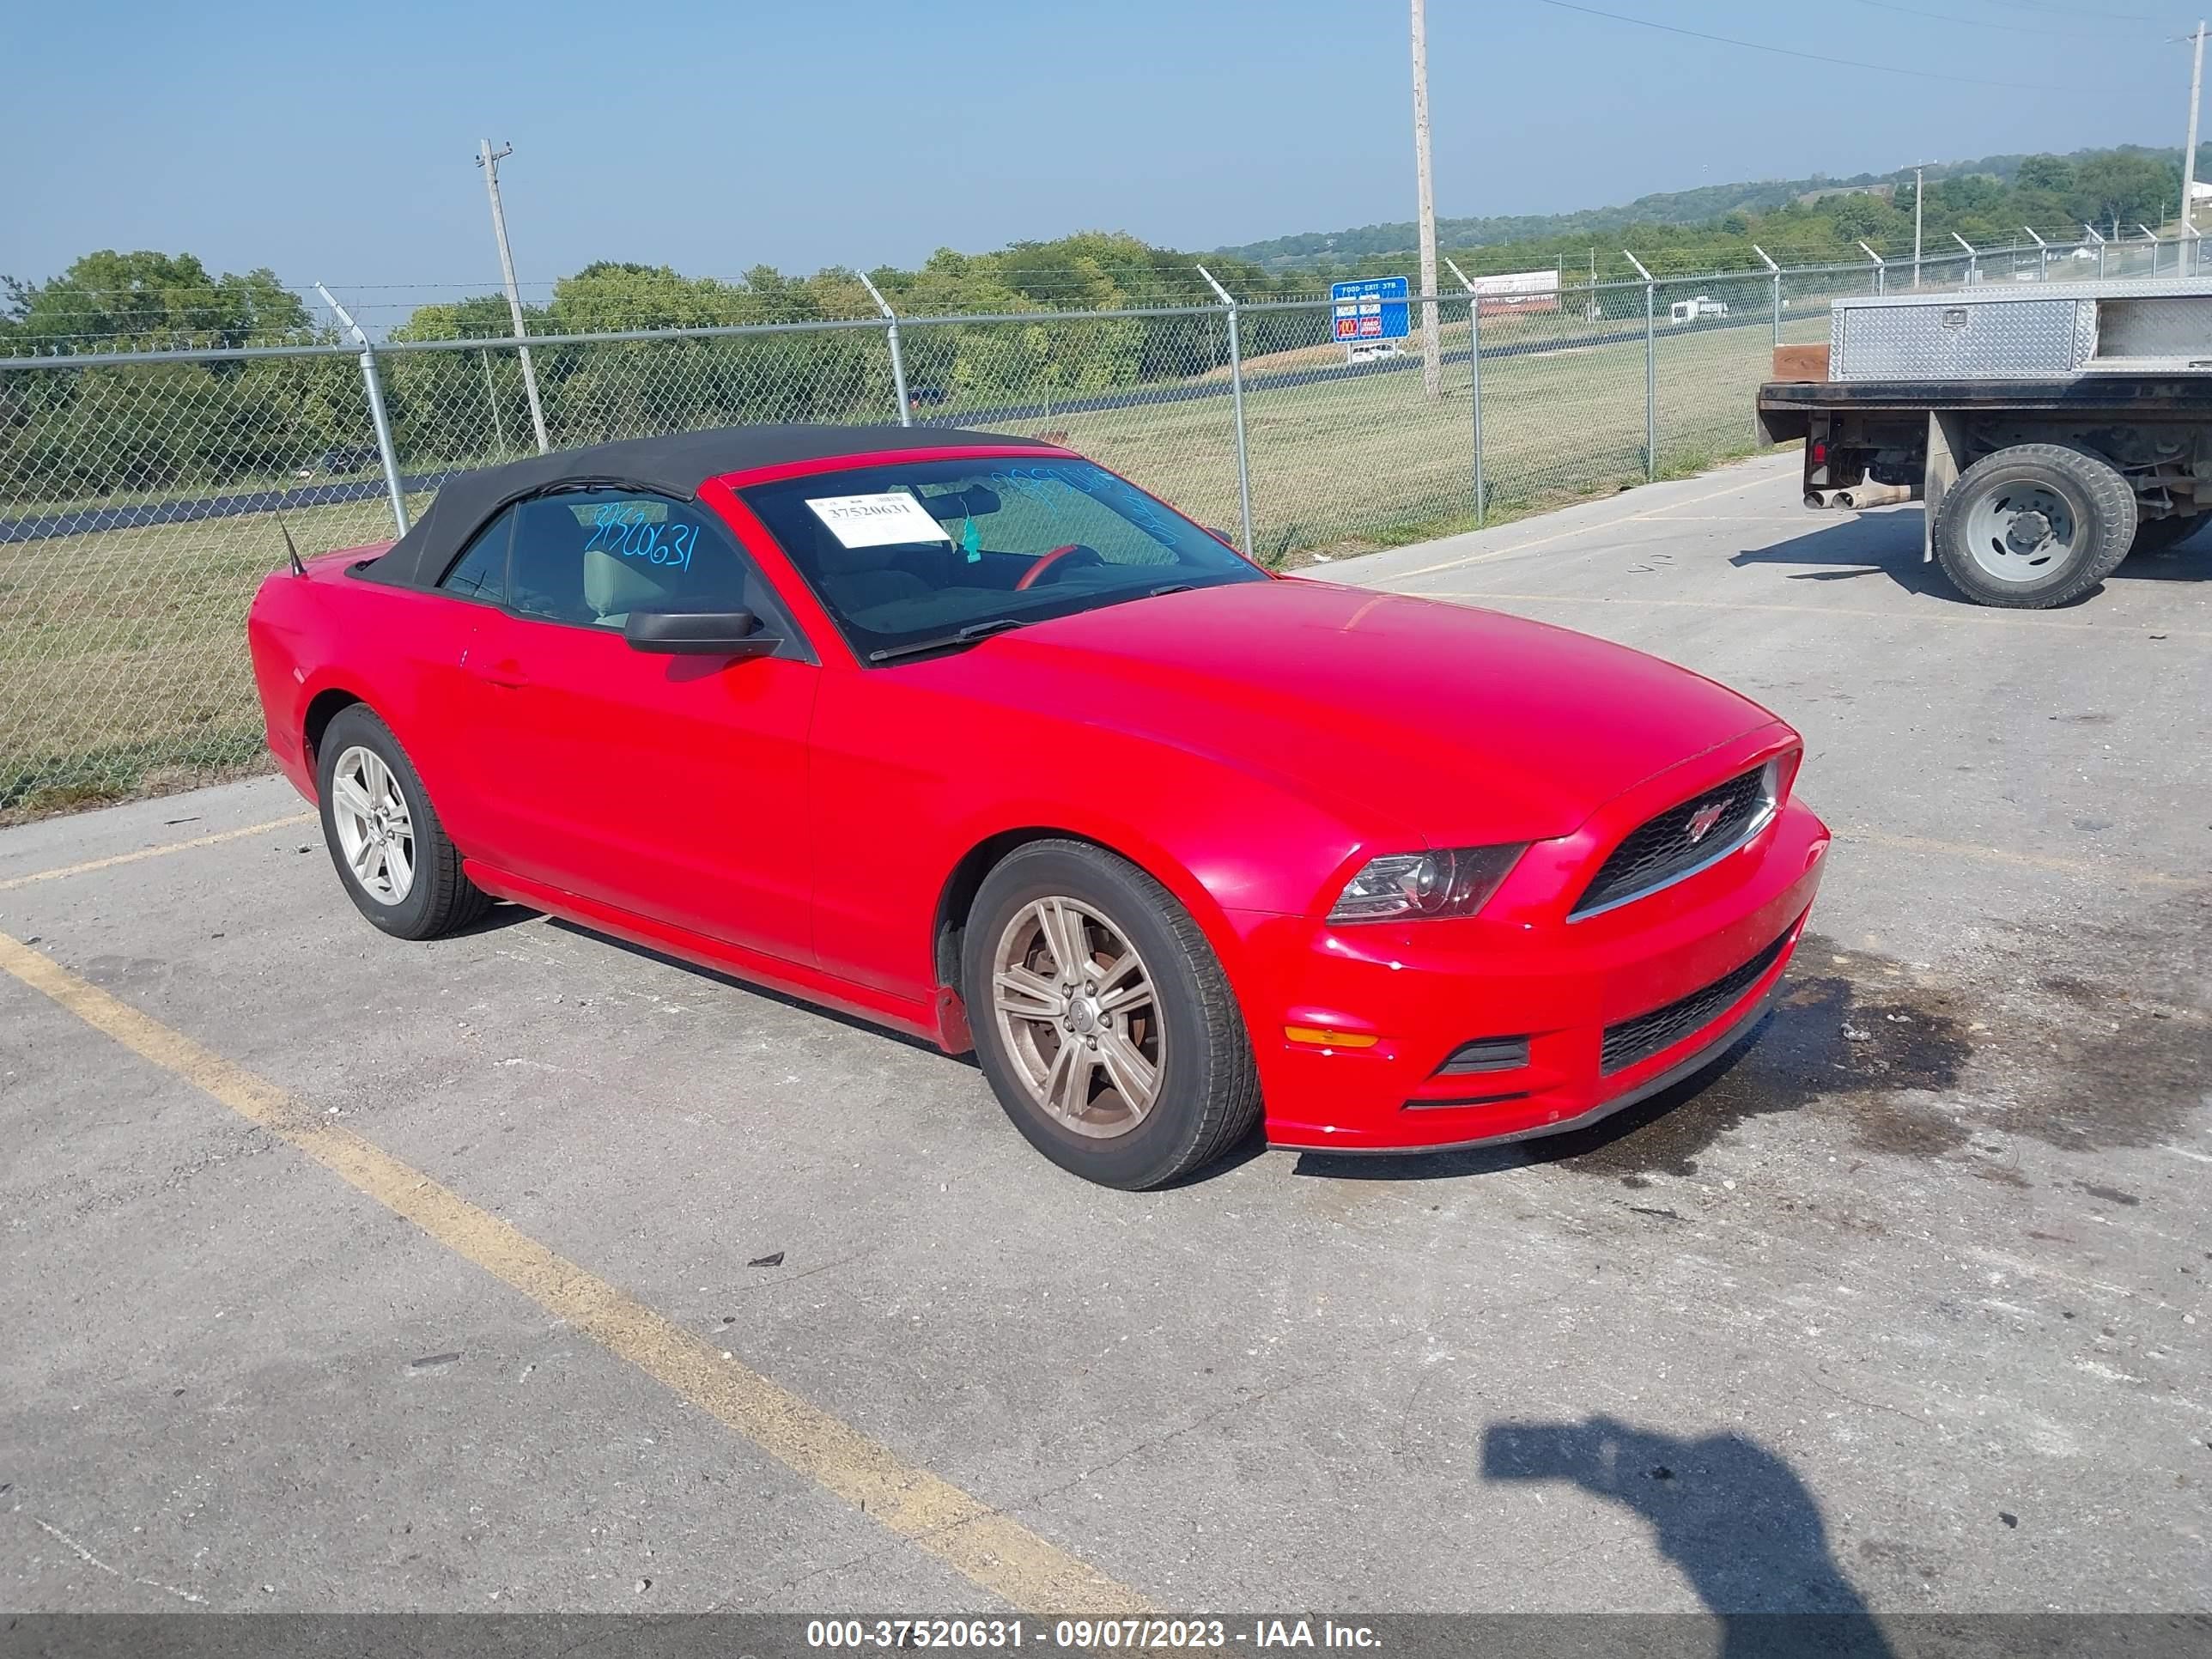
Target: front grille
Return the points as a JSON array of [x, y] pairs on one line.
[[1647, 1034], [1662, 849]]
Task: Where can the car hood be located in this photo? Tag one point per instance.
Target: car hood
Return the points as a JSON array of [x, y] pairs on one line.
[[1457, 724]]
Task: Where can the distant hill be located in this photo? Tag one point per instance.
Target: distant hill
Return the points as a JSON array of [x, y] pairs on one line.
[[1698, 207]]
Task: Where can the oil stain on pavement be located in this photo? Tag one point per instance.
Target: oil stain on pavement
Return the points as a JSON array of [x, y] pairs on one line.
[[1912, 1066], [1853, 1041]]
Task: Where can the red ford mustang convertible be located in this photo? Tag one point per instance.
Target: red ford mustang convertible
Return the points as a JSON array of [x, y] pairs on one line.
[[968, 736]]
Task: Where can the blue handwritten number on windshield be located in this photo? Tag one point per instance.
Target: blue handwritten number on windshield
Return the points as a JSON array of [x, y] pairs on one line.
[[622, 527]]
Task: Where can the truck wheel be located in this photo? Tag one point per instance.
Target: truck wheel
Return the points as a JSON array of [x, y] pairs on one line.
[[2155, 536], [2034, 525]]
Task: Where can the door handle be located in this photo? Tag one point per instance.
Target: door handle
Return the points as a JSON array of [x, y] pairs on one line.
[[506, 671]]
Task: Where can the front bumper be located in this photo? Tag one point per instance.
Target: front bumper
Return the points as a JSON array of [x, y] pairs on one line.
[[1411, 995]]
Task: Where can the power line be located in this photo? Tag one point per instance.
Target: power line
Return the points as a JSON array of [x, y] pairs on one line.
[[1984, 22], [2070, 11], [1810, 57]]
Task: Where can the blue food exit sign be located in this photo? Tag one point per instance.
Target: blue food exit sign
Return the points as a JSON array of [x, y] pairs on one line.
[[1374, 309]]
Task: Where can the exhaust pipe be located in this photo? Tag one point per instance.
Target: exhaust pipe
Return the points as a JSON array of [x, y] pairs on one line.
[[1824, 498], [1870, 494]]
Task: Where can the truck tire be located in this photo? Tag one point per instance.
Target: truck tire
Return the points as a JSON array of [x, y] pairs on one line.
[[2034, 525], [2156, 536]]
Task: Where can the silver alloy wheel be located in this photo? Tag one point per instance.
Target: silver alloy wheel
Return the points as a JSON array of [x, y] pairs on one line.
[[1078, 1017], [2023, 531], [375, 831]]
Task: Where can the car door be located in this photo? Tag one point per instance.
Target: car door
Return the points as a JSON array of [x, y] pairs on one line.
[[671, 786], [433, 708]]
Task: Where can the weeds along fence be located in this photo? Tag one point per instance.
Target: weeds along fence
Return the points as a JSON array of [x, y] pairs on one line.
[[140, 495]]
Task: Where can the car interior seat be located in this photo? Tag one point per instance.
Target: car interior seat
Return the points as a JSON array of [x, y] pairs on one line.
[[860, 578], [614, 587]]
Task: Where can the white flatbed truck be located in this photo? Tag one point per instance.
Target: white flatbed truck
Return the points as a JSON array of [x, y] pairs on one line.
[[2051, 431]]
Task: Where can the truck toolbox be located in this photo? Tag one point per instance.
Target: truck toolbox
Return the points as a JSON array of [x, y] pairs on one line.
[[2037, 332]]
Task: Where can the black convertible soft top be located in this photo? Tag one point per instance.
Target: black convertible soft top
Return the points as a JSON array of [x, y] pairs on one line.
[[675, 465]]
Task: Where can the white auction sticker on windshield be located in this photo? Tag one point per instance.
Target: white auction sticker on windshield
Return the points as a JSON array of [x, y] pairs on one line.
[[877, 520]]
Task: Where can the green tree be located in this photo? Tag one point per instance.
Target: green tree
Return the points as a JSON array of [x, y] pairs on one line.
[[110, 301], [2118, 186]]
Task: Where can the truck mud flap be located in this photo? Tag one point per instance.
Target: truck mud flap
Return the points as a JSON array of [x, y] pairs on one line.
[[1947, 459]]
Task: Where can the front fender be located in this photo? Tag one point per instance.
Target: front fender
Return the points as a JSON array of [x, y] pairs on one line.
[[895, 822]]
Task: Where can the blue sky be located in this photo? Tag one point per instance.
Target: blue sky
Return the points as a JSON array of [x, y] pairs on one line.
[[337, 142]]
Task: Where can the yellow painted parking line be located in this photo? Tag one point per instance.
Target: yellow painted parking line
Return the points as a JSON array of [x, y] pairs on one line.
[[992, 1551], [1655, 513], [1958, 613], [1737, 487], [2097, 869], [162, 851]]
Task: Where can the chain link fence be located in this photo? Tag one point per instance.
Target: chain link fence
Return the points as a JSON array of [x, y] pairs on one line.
[[143, 497]]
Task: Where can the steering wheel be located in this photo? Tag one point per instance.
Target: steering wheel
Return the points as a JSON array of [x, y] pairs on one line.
[[1070, 556]]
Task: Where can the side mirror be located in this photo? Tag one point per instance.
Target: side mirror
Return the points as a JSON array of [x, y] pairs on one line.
[[699, 633], [1221, 536]]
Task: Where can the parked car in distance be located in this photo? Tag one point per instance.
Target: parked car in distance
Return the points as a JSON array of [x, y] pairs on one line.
[[969, 736], [1688, 311], [337, 461]]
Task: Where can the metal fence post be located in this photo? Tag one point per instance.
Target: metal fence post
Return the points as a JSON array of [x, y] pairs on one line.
[[1972, 258], [1880, 269], [492, 402], [1776, 271], [1237, 404], [373, 387], [1650, 371], [898, 362], [1475, 384]]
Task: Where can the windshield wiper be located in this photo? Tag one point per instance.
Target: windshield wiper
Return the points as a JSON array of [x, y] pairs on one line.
[[1172, 587], [959, 637]]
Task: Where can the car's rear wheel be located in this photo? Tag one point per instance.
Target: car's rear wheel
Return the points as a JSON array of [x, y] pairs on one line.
[[2033, 525], [396, 863], [1103, 1018]]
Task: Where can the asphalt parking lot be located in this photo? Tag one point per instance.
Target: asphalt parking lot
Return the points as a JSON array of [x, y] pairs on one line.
[[526, 1270]]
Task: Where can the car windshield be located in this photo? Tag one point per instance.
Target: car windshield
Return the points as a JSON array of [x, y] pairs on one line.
[[905, 554]]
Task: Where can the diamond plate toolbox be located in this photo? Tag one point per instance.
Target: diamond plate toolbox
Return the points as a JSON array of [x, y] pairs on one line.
[[2040, 332], [1961, 336]]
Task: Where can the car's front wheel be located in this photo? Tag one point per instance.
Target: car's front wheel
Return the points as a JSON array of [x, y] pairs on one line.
[[1103, 1018], [398, 867]]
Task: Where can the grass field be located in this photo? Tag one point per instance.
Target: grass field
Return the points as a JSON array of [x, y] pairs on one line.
[[1348, 466], [123, 661]]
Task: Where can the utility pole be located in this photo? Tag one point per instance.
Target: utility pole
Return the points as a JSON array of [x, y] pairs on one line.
[[2188, 153], [1917, 194], [1432, 362], [489, 162]]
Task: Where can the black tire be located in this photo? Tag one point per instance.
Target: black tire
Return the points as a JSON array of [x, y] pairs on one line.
[[440, 898], [2156, 536], [2098, 501], [1208, 1097]]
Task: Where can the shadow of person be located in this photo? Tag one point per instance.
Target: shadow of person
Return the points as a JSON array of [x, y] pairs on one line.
[[1732, 1515]]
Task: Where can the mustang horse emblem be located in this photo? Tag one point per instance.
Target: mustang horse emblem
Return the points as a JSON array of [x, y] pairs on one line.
[[1703, 820]]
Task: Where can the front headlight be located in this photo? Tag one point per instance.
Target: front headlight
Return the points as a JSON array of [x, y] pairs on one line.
[[1455, 882]]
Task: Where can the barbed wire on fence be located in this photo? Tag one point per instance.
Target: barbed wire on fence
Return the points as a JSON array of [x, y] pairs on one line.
[[1045, 291]]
